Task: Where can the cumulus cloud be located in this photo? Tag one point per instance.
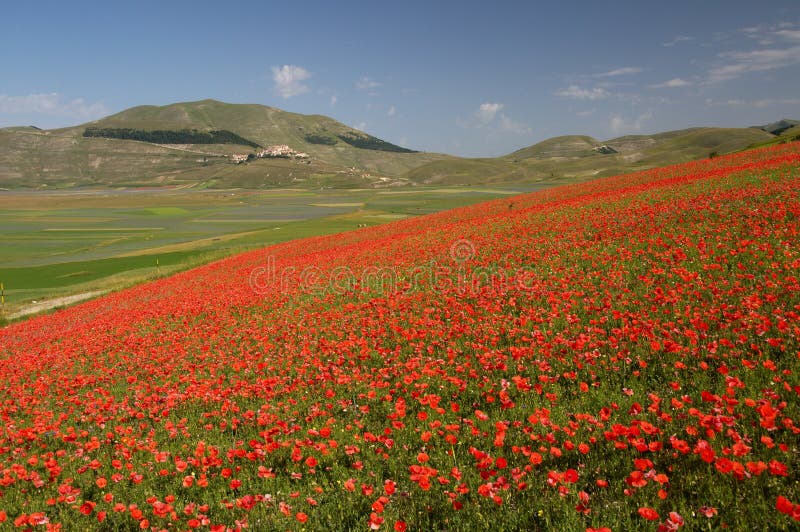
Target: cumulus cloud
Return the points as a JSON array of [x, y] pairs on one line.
[[392, 111], [489, 117], [51, 104], [672, 84], [576, 92], [367, 84], [487, 111], [334, 99], [289, 80]]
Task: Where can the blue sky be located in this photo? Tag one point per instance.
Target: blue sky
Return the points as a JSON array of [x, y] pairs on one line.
[[468, 78]]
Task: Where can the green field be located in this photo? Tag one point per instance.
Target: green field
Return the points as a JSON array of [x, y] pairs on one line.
[[62, 243]]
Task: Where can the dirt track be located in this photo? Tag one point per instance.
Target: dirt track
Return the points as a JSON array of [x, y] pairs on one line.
[[48, 304]]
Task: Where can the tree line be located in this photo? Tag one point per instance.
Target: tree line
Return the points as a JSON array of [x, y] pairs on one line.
[[163, 136]]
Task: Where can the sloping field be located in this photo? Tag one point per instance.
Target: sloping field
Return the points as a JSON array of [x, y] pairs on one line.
[[621, 353]]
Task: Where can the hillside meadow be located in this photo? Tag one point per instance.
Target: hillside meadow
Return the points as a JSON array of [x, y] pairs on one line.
[[70, 243], [620, 354]]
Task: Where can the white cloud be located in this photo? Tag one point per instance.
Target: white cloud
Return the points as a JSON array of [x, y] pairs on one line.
[[367, 84], [783, 30], [289, 80], [677, 39], [780, 48], [788, 35], [579, 93], [624, 71], [617, 123], [766, 102], [392, 111], [770, 35], [361, 126], [334, 99], [489, 117], [510, 126], [769, 102], [741, 63], [487, 111], [620, 126], [51, 104], [672, 84]]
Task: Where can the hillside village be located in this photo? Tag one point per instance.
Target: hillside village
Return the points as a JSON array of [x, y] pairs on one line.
[[278, 151]]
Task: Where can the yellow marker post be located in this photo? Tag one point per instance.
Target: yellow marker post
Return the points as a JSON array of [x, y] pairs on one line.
[[158, 268]]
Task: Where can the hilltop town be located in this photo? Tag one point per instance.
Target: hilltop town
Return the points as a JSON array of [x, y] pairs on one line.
[[278, 151]]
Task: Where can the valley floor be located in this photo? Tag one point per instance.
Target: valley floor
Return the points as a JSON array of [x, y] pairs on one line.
[[56, 244]]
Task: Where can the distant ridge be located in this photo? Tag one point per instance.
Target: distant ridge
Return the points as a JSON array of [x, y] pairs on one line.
[[574, 158], [200, 143], [779, 127]]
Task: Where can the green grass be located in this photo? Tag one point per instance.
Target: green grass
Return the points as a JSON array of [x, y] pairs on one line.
[[63, 243], [790, 135]]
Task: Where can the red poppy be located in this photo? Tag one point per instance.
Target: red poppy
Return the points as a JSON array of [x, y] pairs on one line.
[[648, 513]]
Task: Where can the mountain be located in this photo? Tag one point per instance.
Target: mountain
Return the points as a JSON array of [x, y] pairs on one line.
[[193, 144], [779, 127], [567, 146], [106, 152], [578, 158]]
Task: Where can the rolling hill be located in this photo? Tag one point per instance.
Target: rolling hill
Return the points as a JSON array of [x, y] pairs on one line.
[[578, 158], [193, 143], [67, 157], [779, 127]]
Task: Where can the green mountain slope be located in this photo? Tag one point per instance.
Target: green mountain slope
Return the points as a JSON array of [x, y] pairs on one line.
[[788, 133], [578, 158], [104, 152], [566, 146], [65, 157], [779, 127]]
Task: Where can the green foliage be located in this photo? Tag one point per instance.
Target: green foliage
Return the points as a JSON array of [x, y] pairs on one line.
[[182, 136], [325, 140], [368, 142]]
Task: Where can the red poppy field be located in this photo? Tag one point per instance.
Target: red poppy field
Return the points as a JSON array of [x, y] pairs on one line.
[[621, 354]]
